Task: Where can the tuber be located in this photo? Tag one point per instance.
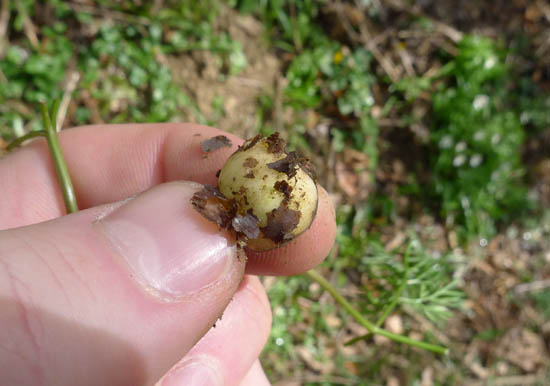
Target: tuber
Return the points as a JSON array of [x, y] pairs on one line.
[[267, 195]]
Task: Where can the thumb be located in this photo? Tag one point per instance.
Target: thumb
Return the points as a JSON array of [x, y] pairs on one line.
[[113, 294]]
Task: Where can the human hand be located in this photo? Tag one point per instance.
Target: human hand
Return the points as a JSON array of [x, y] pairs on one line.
[[118, 293]]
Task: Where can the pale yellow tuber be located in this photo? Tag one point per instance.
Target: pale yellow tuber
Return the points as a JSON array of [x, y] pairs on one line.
[[274, 186]]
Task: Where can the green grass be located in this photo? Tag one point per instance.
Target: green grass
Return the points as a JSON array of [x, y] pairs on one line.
[[478, 137], [327, 76], [120, 59], [291, 25]]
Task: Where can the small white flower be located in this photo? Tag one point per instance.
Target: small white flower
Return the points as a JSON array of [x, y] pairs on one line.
[[461, 146], [476, 159], [157, 94], [459, 160], [23, 53], [446, 142], [483, 242], [480, 101], [495, 139], [369, 101], [490, 62]]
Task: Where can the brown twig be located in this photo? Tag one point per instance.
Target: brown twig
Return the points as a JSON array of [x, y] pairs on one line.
[[512, 380], [406, 60], [533, 286], [109, 13], [448, 31], [28, 26], [18, 106], [71, 81], [370, 43], [444, 29], [385, 62], [311, 378], [278, 104], [4, 21]]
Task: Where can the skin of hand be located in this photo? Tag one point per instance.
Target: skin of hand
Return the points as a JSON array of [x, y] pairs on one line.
[[126, 291]]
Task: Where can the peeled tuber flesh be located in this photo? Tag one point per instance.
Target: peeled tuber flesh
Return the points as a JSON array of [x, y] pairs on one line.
[[269, 195]]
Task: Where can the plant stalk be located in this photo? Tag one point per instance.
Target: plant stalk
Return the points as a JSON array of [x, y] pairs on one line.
[[373, 329], [18, 141], [61, 169]]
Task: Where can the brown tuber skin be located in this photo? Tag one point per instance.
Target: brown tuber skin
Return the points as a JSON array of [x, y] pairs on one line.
[[269, 195]]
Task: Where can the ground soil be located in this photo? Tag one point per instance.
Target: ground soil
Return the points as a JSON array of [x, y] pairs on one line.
[[200, 74]]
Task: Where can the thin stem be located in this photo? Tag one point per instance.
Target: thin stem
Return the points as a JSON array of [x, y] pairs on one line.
[[373, 329], [31, 134], [60, 166]]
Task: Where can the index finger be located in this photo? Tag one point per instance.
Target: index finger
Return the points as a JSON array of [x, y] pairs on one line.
[[111, 162]]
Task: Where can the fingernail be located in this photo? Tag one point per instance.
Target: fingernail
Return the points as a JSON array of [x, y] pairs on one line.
[[169, 248], [195, 373]]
